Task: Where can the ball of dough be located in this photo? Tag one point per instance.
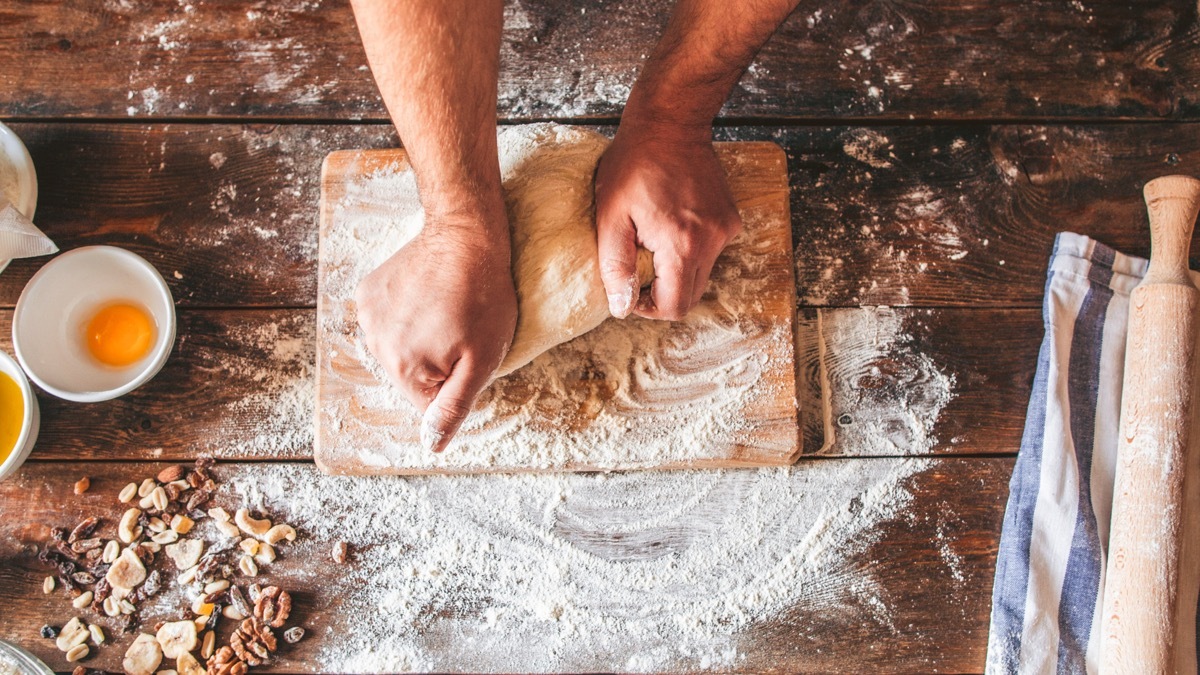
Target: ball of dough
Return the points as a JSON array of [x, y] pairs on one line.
[[547, 173]]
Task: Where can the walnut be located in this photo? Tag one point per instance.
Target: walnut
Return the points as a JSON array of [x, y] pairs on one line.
[[225, 662], [253, 642], [273, 606]]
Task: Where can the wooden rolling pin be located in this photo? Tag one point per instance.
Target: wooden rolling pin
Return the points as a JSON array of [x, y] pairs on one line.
[[1141, 629]]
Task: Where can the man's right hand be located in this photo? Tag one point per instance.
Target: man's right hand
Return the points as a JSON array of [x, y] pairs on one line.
[[439, 315]]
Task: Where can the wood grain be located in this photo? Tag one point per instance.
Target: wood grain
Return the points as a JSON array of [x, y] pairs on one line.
[[931, 567], [240, 385], [961, 215], [866, 58], [634, 411]]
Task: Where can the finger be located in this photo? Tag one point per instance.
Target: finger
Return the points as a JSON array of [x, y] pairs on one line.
[[704, 270], [452, 403], [616, 241], [670, 294]]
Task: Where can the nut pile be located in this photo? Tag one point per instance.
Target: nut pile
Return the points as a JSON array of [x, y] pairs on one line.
[[114, 575]]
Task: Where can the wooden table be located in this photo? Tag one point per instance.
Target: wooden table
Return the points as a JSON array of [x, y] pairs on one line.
[[934, 150]]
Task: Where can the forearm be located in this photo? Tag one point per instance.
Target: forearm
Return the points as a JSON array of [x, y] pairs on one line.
[[436, 62], [705, 49]]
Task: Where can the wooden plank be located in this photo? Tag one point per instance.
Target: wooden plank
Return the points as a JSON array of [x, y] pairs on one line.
[[717, 389], [914, 597], [226, 213], [237, 384], [240, 383], [303, 60], [960, 215]]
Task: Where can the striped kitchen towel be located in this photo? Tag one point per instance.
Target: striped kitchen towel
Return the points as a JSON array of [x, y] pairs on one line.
[[1053, 547]]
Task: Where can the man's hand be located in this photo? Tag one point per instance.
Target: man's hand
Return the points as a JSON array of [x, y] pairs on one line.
[[661, 187], [659, 184], [439, 316]]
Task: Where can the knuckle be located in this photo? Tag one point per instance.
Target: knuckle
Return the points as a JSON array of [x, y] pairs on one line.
[[453, 408]]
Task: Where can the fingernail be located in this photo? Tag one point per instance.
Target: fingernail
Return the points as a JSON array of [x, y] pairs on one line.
[[431, 430]]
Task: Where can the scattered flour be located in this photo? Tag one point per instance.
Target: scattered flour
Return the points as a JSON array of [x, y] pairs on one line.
[[889, 395], [582, 572]]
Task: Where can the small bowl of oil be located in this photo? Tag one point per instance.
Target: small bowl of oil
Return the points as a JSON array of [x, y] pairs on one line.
[[94, 323], [19, 416]]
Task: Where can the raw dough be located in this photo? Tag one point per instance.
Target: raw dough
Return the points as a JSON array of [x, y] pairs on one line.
[[546, 171]]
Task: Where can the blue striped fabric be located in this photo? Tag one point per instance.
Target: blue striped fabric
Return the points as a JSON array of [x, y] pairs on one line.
[[1050, 565]]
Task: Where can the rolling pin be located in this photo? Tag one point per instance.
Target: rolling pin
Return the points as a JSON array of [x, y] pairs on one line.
[[1141, 629]]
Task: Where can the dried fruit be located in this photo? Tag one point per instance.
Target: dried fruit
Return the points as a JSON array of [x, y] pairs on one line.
[[127, 493], [225, 662], [279, 533], [127, 572], [293, 635], [340, 552], [185, 553], [82, 485], [84, 529], [171, 473], [111, 550], [187, 664], [182, 524], [273, 606], [238, 602], [79, 670], [198, 499], [253, 642], [248, 566], [48, 585], [97, 634], [86, 578], [85, 545], [49, 631], [77, 653], [143, 656], [249, 525], [128, 529], [84, 599], [176, 638], [74, 633]]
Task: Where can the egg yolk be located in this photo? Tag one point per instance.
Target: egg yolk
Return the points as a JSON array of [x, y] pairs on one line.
[[12, 413], [120, 335]]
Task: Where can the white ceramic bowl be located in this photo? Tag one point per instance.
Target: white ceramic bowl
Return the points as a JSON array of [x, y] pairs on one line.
[[14, 153], [29, 421], [48, 325]]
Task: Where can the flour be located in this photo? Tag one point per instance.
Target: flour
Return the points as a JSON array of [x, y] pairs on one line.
[[890, 394], [639, 571], [632, 393]]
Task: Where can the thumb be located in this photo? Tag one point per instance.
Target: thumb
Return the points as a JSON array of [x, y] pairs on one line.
[[451, 404], [616, 242]]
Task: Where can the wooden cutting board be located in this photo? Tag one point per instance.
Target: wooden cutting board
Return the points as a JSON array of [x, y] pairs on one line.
[[717, 389]]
